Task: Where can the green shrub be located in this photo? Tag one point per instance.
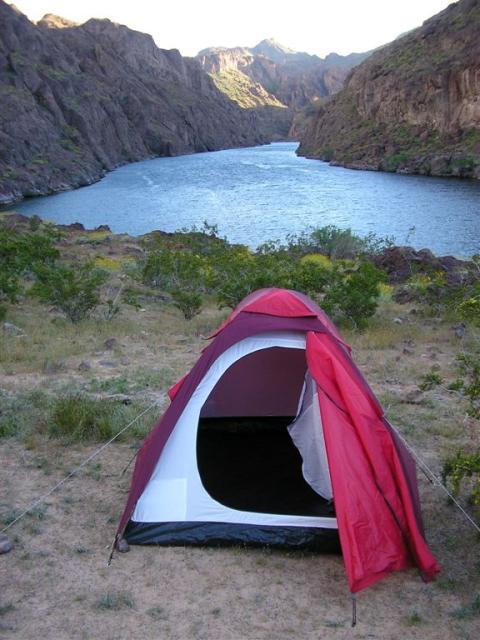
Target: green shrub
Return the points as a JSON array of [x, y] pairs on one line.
[[464, 468], [81, 418], [20, 253], [73, 290], [430, 380], [469, 309], [312, 277], [180, 273], [236, 272], [195, 262], [354, 293], [469, 381], [336, 243], [231, 276]]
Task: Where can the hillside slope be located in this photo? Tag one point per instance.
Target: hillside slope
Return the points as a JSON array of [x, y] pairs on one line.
[[76, 101], [413, 106], [287, 78]]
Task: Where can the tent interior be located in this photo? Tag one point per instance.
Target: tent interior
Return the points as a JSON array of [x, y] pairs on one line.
[[246, 457]]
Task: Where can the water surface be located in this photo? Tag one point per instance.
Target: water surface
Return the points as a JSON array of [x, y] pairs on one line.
[[262, 193]]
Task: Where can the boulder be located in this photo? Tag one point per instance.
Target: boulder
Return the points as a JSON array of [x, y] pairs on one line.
[[400, 263]]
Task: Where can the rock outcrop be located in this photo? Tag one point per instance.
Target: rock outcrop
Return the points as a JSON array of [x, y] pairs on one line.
[[290, 80], [77, 101], [413, 106]]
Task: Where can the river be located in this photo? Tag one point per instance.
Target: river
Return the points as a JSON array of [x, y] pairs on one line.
[[264, 193]]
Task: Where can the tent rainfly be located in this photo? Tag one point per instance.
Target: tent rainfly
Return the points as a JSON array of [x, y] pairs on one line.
[[274, 437]]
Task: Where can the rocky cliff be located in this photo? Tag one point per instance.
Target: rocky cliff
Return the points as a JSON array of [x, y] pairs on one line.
[[413, 106], [77, 101], [290, 80]]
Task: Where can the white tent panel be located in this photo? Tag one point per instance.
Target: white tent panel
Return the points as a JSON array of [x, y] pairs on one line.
[[175, 488]]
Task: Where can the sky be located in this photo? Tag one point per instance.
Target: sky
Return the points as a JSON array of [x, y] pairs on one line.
[[315, 26]]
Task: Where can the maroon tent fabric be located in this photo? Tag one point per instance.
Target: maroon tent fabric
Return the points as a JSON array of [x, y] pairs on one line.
[[373, 475]]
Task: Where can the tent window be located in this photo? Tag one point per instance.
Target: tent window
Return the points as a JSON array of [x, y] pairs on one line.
[[249, 462]]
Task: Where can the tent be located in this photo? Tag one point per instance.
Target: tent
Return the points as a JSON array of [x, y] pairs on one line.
[[274, 437]]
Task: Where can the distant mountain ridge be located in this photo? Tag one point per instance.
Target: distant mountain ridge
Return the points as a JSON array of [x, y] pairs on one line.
[[78, 100], [292, 79], [413, 106]]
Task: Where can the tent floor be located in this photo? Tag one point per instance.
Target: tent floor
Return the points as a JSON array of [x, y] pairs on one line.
[[252, 464], [223, 534]]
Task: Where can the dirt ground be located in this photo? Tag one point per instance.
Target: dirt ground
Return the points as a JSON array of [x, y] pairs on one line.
[[55, 583]]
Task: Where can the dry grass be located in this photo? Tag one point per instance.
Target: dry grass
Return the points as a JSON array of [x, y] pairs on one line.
[[55, 583]]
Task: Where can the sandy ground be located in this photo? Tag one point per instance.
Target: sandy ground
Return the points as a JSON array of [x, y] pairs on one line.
[[56, 583]]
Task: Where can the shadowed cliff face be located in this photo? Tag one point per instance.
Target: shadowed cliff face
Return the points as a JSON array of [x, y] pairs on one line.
[[76, 101], [290, 79], [413, 107]]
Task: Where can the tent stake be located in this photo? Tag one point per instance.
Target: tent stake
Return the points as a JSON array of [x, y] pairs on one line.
[[354, 609]]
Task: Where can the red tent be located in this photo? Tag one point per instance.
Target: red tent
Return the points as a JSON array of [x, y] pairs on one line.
[[279, 357]]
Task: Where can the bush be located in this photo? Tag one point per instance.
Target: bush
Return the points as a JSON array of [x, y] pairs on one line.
[[469, 382], [180, 273], [188, 265], [20, 253], [313, 276], [336, 243], [354, 293], [236, 272], [464, 469], [74, 291], [469, 309], [232, 275]]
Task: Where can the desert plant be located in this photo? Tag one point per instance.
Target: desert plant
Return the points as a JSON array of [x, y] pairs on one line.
[[78, 418], [20, 253], [464, 468], [430, 380], [74, 291], [354, 292], [336, 243], [231, 275], [313, 274], [180, 273], [469, 381]]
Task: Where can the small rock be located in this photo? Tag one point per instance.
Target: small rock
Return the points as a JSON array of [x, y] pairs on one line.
[[111, 343], [122, 545], [103, 227], [398, 320], [107, 363], [5, 544], [84, 366], [460, 330], [12, 328], [413, 397], [50, 366]]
